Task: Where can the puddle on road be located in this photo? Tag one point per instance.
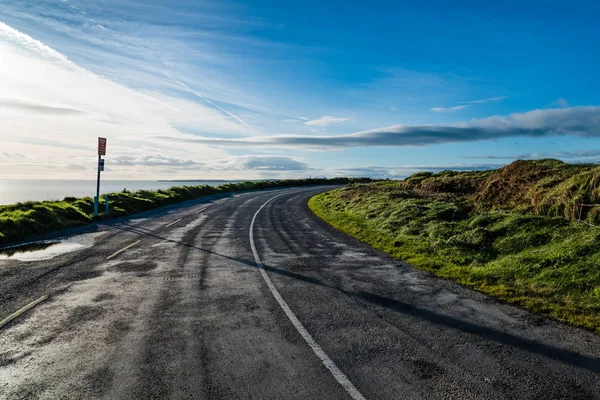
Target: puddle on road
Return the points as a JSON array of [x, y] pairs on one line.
[[46, 250]]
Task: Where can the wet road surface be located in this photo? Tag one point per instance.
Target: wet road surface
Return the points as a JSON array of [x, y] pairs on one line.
[[252, 296]]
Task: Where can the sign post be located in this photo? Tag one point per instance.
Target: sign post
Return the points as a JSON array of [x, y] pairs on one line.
[[101, 152]]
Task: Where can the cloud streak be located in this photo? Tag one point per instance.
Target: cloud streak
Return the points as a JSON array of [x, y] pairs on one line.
[[573, 121], [498, 98], [234, 163], [186, 87], [466, 104], [402, 171], [448, 109], [50, 106], [327, 120], [28, 107], [27, 42], [581, 155]]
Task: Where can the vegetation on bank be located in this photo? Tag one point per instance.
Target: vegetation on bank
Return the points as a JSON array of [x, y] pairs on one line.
[[23, 220], [511, 233]]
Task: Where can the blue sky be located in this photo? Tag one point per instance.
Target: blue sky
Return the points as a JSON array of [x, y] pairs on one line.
[[192, 89]]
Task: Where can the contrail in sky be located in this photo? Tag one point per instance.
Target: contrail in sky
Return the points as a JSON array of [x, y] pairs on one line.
[[208, 101]]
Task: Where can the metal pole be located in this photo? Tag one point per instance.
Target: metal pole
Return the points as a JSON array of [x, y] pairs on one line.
[[97, 198]]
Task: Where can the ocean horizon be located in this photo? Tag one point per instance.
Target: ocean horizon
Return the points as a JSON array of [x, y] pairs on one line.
[[19, 190]]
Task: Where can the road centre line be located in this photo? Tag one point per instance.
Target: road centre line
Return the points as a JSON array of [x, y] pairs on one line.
[[200, 210], [327, 362], [116, 253], [22, 310], [173, 223]]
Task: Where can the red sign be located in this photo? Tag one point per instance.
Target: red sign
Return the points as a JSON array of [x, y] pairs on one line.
[[101, 146]]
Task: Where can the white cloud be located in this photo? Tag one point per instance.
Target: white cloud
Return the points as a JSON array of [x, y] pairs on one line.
[[586, 155], [573, 121], [153, 160], [39, 84], [186, 87], [402, 171], [448, 109], [12, 156], [486, 100], [12, 105], [327, 120], [232, 163], [259, 162], [466, 104]]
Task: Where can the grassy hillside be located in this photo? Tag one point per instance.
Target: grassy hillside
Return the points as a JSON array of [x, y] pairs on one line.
[[509, 233], [23, 220]]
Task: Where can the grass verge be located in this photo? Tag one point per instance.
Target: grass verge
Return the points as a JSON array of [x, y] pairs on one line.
[[542, 262], [23, 220]]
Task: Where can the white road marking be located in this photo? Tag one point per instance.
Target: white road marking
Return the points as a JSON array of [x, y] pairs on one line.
[[22, 310], [173, 223], [220, 201], [116, 253], [200, 210], [327, 362]]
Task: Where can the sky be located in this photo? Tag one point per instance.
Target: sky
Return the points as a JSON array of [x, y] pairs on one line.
[[188, 89]]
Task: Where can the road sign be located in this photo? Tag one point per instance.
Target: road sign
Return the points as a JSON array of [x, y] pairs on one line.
[[101, 146], [101, 152]]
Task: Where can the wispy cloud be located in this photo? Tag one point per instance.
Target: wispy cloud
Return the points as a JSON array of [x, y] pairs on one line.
[[574, 121], [579, 155], [498, 98], [402, 171], [89, 106], [22, 40], [448, 109], [233, 163], [11, 156], [208, 101], [260, 162], [28, 107], [327, 120], [466, 104]]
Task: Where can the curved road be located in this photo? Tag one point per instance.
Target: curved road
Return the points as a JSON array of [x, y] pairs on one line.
[[252, 296]]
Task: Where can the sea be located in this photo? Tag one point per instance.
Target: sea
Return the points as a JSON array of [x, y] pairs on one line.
[[14, 191]]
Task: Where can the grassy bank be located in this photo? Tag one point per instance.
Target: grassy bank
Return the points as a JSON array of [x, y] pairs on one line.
[[509, 233], [23, 220]]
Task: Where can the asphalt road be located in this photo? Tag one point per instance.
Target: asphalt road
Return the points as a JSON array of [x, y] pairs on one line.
[[255, 297]]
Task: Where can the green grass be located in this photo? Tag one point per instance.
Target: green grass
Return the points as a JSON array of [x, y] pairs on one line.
[[24, 220], [533, 257]]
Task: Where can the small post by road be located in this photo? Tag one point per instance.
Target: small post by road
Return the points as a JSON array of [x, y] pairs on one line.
[[101, 152]]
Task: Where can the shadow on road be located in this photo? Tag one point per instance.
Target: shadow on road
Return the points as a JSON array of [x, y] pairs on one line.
[[533, 346], [147, 232]]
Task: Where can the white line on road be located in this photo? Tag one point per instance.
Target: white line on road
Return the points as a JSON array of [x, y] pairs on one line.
[[22, 310], [116, 253], [173, 223], [220, 201], [327, 362], [200, 210]]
